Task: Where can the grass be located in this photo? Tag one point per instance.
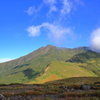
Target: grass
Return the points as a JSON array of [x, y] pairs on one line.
[[53, 89], [24, 93], [76, 81], [69, 95], [82, 94], [61, 70], [16, 71]]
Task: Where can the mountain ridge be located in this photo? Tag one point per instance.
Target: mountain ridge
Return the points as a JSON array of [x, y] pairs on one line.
[[31, 66]]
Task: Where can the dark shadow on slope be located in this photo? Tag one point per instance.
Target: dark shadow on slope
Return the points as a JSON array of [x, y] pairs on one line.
[[14, 73], [77, 80], [84, 57], [19, 66], [30, 73]]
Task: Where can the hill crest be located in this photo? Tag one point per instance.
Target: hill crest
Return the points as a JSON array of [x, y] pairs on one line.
[[31, 66]]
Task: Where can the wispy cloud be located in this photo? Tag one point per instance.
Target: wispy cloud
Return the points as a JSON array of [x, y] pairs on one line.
[[67, 7], [79, 2], [52, 5], [31, 10], [95, 40], [53, 25], [55, 32], [34, 30], [5, 60]]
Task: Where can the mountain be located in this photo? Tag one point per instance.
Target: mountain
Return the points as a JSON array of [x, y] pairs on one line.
[[46, 60], [90, 58], [60, 70]]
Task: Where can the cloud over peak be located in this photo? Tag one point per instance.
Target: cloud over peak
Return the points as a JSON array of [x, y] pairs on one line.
[[55, 32], [55, 25], [34, 31], [95, 40]]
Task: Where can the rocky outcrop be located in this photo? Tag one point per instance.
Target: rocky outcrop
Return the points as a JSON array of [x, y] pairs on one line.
[[2, 97], [66, 88], [85, 87]]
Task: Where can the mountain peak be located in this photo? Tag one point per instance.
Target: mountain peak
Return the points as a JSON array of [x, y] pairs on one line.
[[83, 48], [49, 46]]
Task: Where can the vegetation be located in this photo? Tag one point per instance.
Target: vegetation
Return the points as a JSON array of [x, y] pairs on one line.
[[51, 63], [60, 70], [91, 59], [52, 88], [29, 67]]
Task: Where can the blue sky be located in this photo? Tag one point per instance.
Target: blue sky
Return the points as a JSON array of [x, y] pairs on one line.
[[26, 25]]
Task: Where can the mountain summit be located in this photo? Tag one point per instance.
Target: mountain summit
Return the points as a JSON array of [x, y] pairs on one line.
[[32, 66]]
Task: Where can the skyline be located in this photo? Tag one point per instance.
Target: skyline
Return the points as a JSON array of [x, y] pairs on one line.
[[29, 25]]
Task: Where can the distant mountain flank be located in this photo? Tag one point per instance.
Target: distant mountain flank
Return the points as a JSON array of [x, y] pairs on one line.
[[42, 65]]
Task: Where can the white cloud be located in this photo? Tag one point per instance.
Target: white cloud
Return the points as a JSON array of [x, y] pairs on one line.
[[67, 7], [79, 2], [55, 32], [5, 60], [31, 10], [95, 40], [34, 30], [52, 6]]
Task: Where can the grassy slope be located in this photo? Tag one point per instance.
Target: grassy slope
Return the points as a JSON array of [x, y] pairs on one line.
[[92, 59], [32, 65], [75, 81], [59, 70]]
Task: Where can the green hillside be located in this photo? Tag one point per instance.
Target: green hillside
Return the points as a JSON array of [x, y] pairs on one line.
[[60, 70], [50, 63], [85, 57], [75, 81], [28, 67], [91, 59]]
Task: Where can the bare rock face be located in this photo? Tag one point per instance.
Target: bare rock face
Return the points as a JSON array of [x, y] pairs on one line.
[[85, 87], [2, 97]]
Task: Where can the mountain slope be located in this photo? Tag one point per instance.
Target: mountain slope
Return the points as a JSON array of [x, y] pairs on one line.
[[60, 70], [91, 59], [85, 57], [28, 67]]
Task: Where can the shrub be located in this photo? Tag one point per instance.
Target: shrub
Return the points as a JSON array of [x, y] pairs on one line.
[[3, 84], [94, 98], [25, 93], [47, 99], [75, 86], [16, 84], [6, 94], [38, 89], [34, 93], [62, 95], [51, 92], [74, 94]]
